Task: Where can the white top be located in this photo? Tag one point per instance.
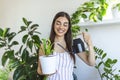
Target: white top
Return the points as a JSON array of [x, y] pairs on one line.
[[65, 66]]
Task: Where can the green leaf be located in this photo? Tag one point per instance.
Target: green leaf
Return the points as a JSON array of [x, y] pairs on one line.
[[20, 50], [14, 43], [106, 70], [23, 28], [1, 31], [114, 61], [2, 44], [13, 63], [5, 32], [24, 38], [36, 39], [11, 36], [104, 55], [7, 55], [84, 16], [99, 64], [25, 21], [18, 72], [100, 51], [29, 22], [30, 44], [25, 55], [86, 29], [99, 17], [37, 32], [34, 26]]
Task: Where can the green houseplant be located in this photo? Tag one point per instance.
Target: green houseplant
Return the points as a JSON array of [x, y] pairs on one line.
[[48, 59], [107, 66], [25, 59], [96, 8]]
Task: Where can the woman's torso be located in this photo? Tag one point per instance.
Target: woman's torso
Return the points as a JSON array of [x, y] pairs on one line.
[[65, 66]]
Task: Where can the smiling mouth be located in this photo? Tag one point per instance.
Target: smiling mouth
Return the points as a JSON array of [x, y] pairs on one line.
[[60, 31]]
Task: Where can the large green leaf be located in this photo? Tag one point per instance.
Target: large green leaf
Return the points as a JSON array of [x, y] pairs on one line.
[[30, 44], [24, 38], [25, 55], [7, 55], [20, 70], [36, 39]]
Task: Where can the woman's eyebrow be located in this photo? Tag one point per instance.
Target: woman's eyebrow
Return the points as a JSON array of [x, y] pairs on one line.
[[65, 22], [58, 21]]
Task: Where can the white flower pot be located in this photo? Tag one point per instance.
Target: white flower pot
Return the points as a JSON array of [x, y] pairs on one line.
[[48, 64]]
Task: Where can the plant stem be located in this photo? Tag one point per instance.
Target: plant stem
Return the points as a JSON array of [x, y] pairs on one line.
[[100, 74]]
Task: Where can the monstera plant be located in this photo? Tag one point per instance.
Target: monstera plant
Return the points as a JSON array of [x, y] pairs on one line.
[[24, 58]]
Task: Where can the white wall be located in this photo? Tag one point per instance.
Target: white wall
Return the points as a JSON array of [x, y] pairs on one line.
[[42, 13]]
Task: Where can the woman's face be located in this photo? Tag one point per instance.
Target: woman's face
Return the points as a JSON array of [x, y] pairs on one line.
[[61, 26]]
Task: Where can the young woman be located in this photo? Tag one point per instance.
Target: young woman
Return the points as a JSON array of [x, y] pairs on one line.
[[61, 35]]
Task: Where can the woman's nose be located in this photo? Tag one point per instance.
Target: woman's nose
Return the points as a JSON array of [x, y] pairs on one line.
[[61, 26]]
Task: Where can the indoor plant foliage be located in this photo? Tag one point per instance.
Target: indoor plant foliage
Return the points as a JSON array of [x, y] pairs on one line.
[[47, 47], [107, 66], [116, 10], [4, 73], [25, 59], [96, 8], [117, 6]]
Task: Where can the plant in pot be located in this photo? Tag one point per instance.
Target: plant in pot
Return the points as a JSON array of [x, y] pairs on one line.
[[105, 66], [48, 59], [25, 59], [93, 10], [116, 10]]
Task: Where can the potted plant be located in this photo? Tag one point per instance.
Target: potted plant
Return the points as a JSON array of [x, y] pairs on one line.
[[48, 59], [93, 10], [25, 59], [116, 10]]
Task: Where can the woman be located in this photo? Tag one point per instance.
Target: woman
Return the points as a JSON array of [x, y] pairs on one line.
[[61, 35]]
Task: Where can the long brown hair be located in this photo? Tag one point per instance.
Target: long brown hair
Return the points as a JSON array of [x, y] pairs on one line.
[[68, 35]]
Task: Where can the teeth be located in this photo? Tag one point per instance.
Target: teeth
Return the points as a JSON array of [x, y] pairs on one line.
[[60, 31]]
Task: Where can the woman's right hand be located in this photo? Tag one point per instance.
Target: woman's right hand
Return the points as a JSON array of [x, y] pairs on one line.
[[39, 70]]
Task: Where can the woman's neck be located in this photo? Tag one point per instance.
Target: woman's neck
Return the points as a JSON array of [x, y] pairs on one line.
[[59, 39]]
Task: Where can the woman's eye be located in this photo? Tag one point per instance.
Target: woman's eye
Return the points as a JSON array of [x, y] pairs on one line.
[[66, 25], [57, 23]]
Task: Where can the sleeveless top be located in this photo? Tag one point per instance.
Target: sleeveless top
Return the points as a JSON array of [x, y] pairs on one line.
[[65, 66]]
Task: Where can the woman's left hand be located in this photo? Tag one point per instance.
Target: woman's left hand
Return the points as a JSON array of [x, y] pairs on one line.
[[87, 38]]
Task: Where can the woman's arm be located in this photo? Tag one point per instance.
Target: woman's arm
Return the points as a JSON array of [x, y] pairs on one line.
[[88, 57], [39, 69]]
